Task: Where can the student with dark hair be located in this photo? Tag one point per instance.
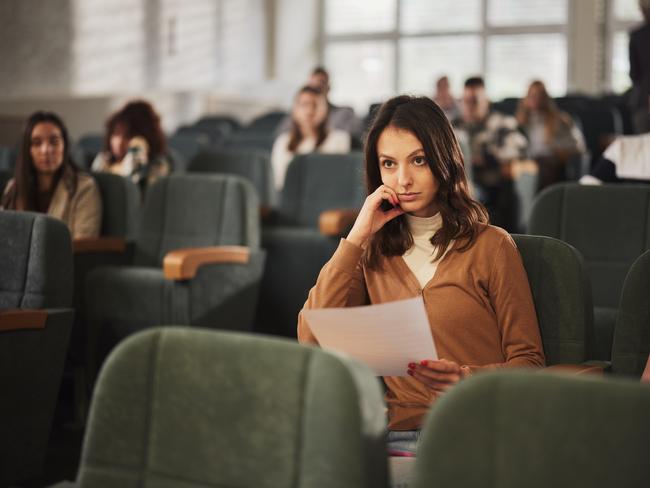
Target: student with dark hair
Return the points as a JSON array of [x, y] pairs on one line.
[[553, 138], [434, 241], [494, 143], [135, 145], [46, 180], [309, 132], [445, 100]]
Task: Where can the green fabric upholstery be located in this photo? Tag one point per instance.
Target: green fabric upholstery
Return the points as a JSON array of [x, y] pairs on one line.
[[35, 261], [515, 429], [561, 294], [36, 272], [180, 211], [632, 333], [177, 407], [295, 248], [252, 165], [120, 205], [196, 210], [610, 226]]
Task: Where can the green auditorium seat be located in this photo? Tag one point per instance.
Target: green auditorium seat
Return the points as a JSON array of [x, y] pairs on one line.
[[35, 322], [196, 261], [87, 148], [253, 165], [520, 429], [176, 407], [561, 294], [610, 226], [632, 333], [268, 122], [295, 238]]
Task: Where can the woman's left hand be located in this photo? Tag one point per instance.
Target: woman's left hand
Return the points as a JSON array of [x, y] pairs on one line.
[[438, 375]]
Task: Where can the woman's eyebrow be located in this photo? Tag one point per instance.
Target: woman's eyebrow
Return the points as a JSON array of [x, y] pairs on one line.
[[419, 150]]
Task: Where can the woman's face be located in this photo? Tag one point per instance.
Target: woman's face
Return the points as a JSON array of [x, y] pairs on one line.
[[404, 168], [47, 147], [310, 110], [119, 142], [534, 98]]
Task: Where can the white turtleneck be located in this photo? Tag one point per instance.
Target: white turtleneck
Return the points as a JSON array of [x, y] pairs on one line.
[[419, 258]]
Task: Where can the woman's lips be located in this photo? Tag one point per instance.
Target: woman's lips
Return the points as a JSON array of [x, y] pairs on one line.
[[407, 197]]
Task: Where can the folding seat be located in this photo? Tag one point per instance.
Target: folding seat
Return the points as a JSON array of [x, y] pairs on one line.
[[253, 165], [7, 158], [514, 429], [187, 146], [195, 260], [87, 148], [35, 322], [5, 176], [180, 407], [562, 296], [225, 122], [318, 205], [632, 333], [608, 225], [268, 122], [251, 139]]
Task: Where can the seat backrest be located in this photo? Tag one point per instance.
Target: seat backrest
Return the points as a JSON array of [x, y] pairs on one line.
[[188, 210], [253, 165], [120, 204], [268, 122], [632, 333], [608, 224], [317, 182], [35, 261], [562, 296], [224, 409], [250, 139], [188, 145], [514, 429]]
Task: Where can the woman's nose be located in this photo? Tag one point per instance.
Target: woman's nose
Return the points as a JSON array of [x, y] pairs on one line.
[[404, 177]]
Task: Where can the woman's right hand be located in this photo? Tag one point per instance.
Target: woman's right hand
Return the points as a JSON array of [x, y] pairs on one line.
[[371, 217]]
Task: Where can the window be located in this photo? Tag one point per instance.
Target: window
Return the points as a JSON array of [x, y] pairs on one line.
[[377, 48]]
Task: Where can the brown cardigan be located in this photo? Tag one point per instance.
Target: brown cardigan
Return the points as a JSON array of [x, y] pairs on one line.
[[479, 306]]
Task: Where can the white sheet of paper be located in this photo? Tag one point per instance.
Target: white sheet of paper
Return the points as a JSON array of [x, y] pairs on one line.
[[386, 337]]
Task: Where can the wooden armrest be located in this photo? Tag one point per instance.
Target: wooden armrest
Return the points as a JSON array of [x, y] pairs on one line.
[[22, 318], [182, 264], [575, 369], [336, 222], [98, 244]]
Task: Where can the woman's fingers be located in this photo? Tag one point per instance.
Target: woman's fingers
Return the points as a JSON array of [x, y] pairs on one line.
[[438, 375]]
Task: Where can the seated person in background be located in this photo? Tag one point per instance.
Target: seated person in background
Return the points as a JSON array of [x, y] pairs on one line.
[[445, 100], [135, 145], [47, 181], [494, 143], [626, 160], [553, 138], [309, 133], [341, 118], [640, 71], [434, 240]]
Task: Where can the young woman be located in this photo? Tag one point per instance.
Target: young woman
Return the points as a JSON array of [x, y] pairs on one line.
[[433, 241], [135, 145], [46, 180], [309, 133], [552, 136]]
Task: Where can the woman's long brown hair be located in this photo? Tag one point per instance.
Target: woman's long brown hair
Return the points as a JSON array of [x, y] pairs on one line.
[[295, 136], [552, 115], [138, 118], [462, 216], [22, 195]]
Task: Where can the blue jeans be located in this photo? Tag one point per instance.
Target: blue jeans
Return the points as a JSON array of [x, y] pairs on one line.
[[402, 441]]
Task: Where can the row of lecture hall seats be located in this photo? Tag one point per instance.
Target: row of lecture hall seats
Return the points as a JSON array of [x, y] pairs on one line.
[[179, 406]]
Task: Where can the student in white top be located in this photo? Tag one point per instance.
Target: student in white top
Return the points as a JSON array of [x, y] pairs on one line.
[[309, 133]]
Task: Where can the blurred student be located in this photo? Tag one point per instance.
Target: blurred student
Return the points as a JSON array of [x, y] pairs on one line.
[[47, 181], [553, 138], [135, 145], [445, 100], [309, 132], [494, 144]]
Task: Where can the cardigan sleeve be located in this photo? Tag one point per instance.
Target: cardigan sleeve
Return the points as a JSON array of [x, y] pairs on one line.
[[512, 300], [340, 284]]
